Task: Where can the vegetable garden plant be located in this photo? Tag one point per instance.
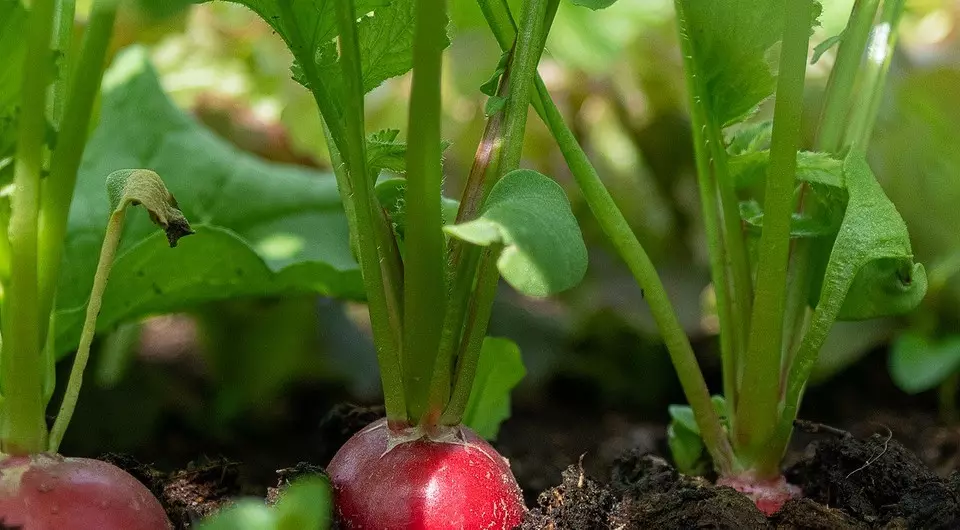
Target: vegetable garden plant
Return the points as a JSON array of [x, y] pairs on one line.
[[797, 239]]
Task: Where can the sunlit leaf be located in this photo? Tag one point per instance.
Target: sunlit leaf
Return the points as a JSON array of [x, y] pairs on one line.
[[261, 228], [499, 370], [529, 215]]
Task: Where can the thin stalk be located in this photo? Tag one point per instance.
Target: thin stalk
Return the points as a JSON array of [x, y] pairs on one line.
[[527, 51], [424, 290], [706, 165], [616, 227], [58, 187], [840, 94], [883, 40], [383, 321], [462, 259], [24, 429], [757, 410], [63, 35], [108, 252]]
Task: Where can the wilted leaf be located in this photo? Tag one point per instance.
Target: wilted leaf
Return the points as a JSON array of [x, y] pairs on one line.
[[499, 369], [529, 214]]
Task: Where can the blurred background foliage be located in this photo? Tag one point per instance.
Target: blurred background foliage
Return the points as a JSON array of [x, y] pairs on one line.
[[617, 76]]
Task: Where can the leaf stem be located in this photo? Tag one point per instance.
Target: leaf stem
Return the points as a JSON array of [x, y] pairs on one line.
[[879, 51], [24, 429], [58, 187], [720, 264], [839, 96], [108, 252], [424, 289], [523, 73], [757, 411], [384, 320]]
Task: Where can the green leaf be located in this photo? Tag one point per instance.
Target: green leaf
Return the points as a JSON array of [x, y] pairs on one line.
[[687, 450], [261, 228], [871, 271], [918, 363], [499, 369], [305, 504], [750, 168], [732, 44], [529, 214], [751, 138], [872, 240], [683, 437], [391, 193], [801, 226], [489, 87], [594, 4], [822, 48], [385, 152]]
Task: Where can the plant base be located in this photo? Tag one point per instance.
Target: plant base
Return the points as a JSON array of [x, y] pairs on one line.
[[769, 495]]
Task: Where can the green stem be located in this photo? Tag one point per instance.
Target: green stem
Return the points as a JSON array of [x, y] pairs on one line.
[[66, 13], [24, 428], [424, 289], [706, 166], [757, 410], [385, 323], [108, 252], [523, 73], [840, 94], [879, 52], [58, 187], [616, 227]]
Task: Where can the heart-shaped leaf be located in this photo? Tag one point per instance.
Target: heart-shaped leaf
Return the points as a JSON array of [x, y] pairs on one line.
[[529, 215], [261, 228]]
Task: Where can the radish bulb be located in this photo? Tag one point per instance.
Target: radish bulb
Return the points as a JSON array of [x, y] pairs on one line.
[[411, 481], [51, 492]]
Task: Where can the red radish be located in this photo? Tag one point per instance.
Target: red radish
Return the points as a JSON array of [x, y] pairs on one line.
[[769, 495], [50, 492], [454, 480]]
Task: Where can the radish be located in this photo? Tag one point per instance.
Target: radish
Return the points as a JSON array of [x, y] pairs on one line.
[[406, 480], [51, 492]]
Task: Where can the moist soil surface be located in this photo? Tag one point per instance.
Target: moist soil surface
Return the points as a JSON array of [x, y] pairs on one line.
[[886, 463]]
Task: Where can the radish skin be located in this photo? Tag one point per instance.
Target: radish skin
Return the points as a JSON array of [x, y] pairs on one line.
[[51, 492], [420, 483]]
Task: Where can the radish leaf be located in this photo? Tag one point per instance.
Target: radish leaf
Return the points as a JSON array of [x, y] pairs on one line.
[[918, 363], [529, 214], [499, 369], [261, 228]]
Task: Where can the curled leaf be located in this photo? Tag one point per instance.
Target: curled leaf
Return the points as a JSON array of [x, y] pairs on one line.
[[529, 214], [870, 271], [144, 187]]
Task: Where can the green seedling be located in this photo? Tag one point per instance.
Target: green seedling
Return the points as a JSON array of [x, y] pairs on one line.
[[305, 504]]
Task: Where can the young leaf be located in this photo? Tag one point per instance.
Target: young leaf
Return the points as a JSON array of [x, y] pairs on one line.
[[142, 187], [499, 369], [261, 228], [871, 231], [822, 48], [801, 226], [683, 437], [750, 168], [529, 214], [385, 152], [391, 193], [731, 52], [918, 363], [304, 505]]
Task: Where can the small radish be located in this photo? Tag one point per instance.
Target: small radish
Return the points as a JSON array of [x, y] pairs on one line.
[[51, 492], [409, 481], [769, 495]]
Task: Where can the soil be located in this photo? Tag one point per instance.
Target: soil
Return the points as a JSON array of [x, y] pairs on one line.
[[888, 464]]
